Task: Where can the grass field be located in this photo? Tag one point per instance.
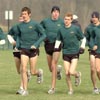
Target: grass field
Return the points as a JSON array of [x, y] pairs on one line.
[[9, 81]]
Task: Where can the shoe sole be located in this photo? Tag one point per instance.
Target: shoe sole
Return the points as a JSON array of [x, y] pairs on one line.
[[80, 80], [59, 69]]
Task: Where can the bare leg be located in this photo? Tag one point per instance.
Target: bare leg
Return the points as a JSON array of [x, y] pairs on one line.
[[93, 70], [49, 60], [68, 78], [54, 68], [98, 67], [73, 66], [24, 62], [17, 63], [33, 62]]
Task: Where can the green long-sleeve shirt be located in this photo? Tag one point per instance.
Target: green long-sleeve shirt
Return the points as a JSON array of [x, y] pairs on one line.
[[30, 33], [2, 36], [90, 36], [51, 28], [70, 38], [96, 32], [14, 33]]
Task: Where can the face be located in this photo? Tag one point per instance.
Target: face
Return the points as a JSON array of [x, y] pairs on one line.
[[55, 14], [67, 21], [26, 16], [95, 20]]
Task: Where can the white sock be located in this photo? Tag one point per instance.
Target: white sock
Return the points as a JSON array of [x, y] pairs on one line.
[[21, 87]]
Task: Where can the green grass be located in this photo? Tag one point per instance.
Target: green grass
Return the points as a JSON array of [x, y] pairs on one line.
[[9, 81]]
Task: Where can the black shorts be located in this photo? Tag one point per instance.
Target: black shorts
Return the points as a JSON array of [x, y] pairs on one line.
[[92, 52], [69, 57], [30, 52], [97, 55], [16, 54], [49, 48]]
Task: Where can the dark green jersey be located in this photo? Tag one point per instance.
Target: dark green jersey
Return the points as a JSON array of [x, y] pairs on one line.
[[51, 28], [2, 36], [70, 38], [14, 32], [90, 36], [30, 33], [96, 32]]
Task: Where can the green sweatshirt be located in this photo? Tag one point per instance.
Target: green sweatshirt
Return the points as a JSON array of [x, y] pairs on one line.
[[2, 36], [96, 32], [90, 36], [70, 38], [14, 33], [51, 28], [30, 33]]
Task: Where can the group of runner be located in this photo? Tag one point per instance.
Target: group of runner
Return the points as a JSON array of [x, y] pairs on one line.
[[57, 34]]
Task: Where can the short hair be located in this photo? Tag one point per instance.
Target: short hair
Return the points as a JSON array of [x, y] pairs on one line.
[[95, 14], [26, 9], [55, 8], [69, 15]]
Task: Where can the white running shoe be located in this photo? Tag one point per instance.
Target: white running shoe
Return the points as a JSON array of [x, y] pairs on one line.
[[78, 79], [51, 91], [95, 91], [20, 91], [40, 76], [59, 74], [28, 75], [70, 92], [24, 93]]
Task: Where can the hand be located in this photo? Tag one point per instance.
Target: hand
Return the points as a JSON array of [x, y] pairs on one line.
[[95, 47], [81, 51], [33, 47]]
